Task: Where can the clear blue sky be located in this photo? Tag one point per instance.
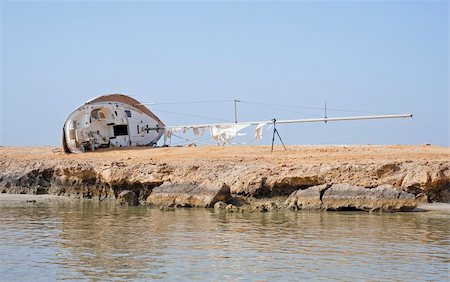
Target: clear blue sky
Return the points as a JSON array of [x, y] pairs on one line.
[[373, 56]]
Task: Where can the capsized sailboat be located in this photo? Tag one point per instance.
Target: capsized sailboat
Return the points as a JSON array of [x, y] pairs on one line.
[[118, 120], [110, 121]]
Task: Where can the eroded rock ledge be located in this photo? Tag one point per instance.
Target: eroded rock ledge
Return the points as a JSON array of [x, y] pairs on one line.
[[304, 177], [349, 197]]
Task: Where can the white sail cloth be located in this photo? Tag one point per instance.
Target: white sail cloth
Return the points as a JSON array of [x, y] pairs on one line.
[[170, 131], [259, 131], [223, 133], [220, 133], [198, 131]]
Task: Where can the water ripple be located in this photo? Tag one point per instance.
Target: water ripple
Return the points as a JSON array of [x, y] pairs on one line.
[[85, 240]]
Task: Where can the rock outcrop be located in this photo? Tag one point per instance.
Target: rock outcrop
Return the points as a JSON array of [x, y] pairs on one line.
[[376, 177], [310, 198], [205, 194], [349, 197], [384, 197]]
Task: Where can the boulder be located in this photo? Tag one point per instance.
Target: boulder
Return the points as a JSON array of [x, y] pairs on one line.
[[306, 199], [205, 194], [349, 197], [127, 198], [220, 205], [383, 197]]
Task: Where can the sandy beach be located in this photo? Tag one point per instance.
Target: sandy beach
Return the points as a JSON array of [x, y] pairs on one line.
[[305, 154]]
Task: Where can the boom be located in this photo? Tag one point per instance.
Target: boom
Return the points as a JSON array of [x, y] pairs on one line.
[[287, 121]]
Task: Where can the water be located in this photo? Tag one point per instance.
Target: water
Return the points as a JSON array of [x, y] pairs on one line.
[[74, 240]]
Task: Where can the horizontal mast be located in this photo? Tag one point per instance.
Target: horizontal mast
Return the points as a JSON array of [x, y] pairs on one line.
[[296, 121]]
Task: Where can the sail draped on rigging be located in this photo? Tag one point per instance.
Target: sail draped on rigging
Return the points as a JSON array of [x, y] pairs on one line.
[[222, 134], [259, 131]]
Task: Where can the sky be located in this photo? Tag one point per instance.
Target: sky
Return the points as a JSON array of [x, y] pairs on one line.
[[279, 58]]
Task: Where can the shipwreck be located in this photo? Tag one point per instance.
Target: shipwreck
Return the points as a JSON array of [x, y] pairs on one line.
[[118, 120]]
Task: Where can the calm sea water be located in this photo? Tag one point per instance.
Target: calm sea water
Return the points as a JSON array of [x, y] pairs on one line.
[[79, 240]]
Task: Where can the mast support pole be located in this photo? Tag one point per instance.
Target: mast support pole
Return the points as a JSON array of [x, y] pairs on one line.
[[235, 110]]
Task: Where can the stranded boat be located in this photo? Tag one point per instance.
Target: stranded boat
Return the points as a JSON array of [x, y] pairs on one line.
[[110, 121], [120, 121]]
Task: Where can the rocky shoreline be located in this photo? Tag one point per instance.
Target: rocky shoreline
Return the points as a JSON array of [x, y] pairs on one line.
[[369, 178]]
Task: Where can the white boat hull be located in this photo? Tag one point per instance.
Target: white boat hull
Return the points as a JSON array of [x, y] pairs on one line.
[[110, 121]]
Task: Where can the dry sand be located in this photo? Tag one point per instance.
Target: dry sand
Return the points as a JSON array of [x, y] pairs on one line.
[[299, 154]]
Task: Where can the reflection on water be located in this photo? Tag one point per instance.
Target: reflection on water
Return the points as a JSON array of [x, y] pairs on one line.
[[85, 240]]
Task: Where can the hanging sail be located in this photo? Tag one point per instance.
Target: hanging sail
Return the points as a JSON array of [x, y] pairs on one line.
[[222, 133]]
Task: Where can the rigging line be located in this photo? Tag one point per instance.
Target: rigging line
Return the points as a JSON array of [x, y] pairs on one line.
[[189, 102], [198, 140], [355, 111], [284, 109], [253, 140], [191, 115], [312, 108], [365, 134]]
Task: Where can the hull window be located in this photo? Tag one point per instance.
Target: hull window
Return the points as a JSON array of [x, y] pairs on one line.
[[97, 115], [128, 113], [120, 130]]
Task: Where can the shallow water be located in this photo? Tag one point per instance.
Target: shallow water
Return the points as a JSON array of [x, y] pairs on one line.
[[73, 240]]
